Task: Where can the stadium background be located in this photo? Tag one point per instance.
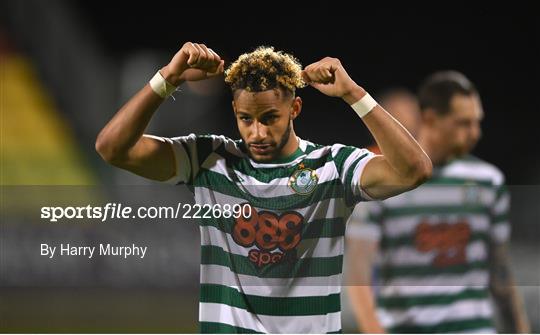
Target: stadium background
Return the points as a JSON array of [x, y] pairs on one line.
[[68, 65]]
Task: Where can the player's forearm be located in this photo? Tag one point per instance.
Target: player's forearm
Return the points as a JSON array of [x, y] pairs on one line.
[[363, 304], [361, 255], [397, 145], [127, 126], [505, 293], [513, 316]]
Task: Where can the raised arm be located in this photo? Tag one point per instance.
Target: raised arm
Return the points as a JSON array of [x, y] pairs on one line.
[[122, 142], [403, 164]]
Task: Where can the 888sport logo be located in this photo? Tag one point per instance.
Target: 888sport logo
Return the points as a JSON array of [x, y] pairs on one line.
[[275, 236]]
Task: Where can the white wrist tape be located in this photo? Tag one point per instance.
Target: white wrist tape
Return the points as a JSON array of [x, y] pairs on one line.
[[161, 86], [365, 105]]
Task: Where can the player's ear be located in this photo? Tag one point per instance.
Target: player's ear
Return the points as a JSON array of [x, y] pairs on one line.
[[296, 107], [233, 106]]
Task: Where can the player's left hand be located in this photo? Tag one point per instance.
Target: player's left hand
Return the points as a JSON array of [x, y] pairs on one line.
[[329, 77]]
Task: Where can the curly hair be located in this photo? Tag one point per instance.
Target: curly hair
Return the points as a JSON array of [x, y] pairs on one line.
[[265, 69]]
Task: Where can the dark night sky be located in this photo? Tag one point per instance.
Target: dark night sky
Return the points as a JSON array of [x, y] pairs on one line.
[[380, 47]]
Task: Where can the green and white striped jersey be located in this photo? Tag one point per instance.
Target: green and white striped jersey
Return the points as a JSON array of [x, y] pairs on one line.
[[434, 241], [279, 269]]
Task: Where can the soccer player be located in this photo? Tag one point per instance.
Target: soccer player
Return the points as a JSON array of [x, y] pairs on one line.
[[444, 244], [277, 267], [403, 106]]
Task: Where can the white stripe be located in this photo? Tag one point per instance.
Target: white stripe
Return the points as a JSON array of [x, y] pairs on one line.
[[477, 251], [360, 213], [405, 225], [357, 176], [182, 170], [276, 187], [307, 248], [500, 232], [190, 142], [271, 287], [502, 205], [279, 186], [353, 156], [443, 195], [232, 147], [358, 226], [416, 285], [319, 152], [276, 165], [315, 154], [479, 331], [435, 314], [365, 231], [474, 170], [217, 164], [302, 144], [211, 312], [332, 208], [204, 195], [405, 291]]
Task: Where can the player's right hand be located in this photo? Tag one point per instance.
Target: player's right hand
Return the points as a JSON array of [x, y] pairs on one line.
[[193, 62]]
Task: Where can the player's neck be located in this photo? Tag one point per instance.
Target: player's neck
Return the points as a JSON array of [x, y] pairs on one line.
[[293, 143], [429, 142]]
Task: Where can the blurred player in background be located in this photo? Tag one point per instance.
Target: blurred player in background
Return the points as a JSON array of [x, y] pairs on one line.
[[443, 246], [277, 268], [361, 246], [403, 106]]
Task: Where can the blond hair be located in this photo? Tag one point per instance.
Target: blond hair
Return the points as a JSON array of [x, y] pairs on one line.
[[265, 69]]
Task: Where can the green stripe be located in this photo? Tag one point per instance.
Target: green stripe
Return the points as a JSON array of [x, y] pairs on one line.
[[409, 240], [427, 270], [303, 267], [266, 175], [324, 228], [219, 183], [500, 218], [442, 299], [434, 210], [446, 327], [275, 306], [470, 158], [223, 328], [342, 156], [350, 199], [313, 146], [334, 227], [375, 218], [231, 158], [502, 190], [204, 145]]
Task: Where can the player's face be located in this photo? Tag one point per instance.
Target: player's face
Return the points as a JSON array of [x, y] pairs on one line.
[[460, 128], [265, 122]]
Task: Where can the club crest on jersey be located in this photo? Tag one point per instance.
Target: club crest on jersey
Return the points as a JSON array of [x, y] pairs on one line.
[[304, 180]]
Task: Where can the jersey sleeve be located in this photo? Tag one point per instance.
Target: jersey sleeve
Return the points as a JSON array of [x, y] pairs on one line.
[[189, 154], [350, 163], [500, 223], [365, 222]]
